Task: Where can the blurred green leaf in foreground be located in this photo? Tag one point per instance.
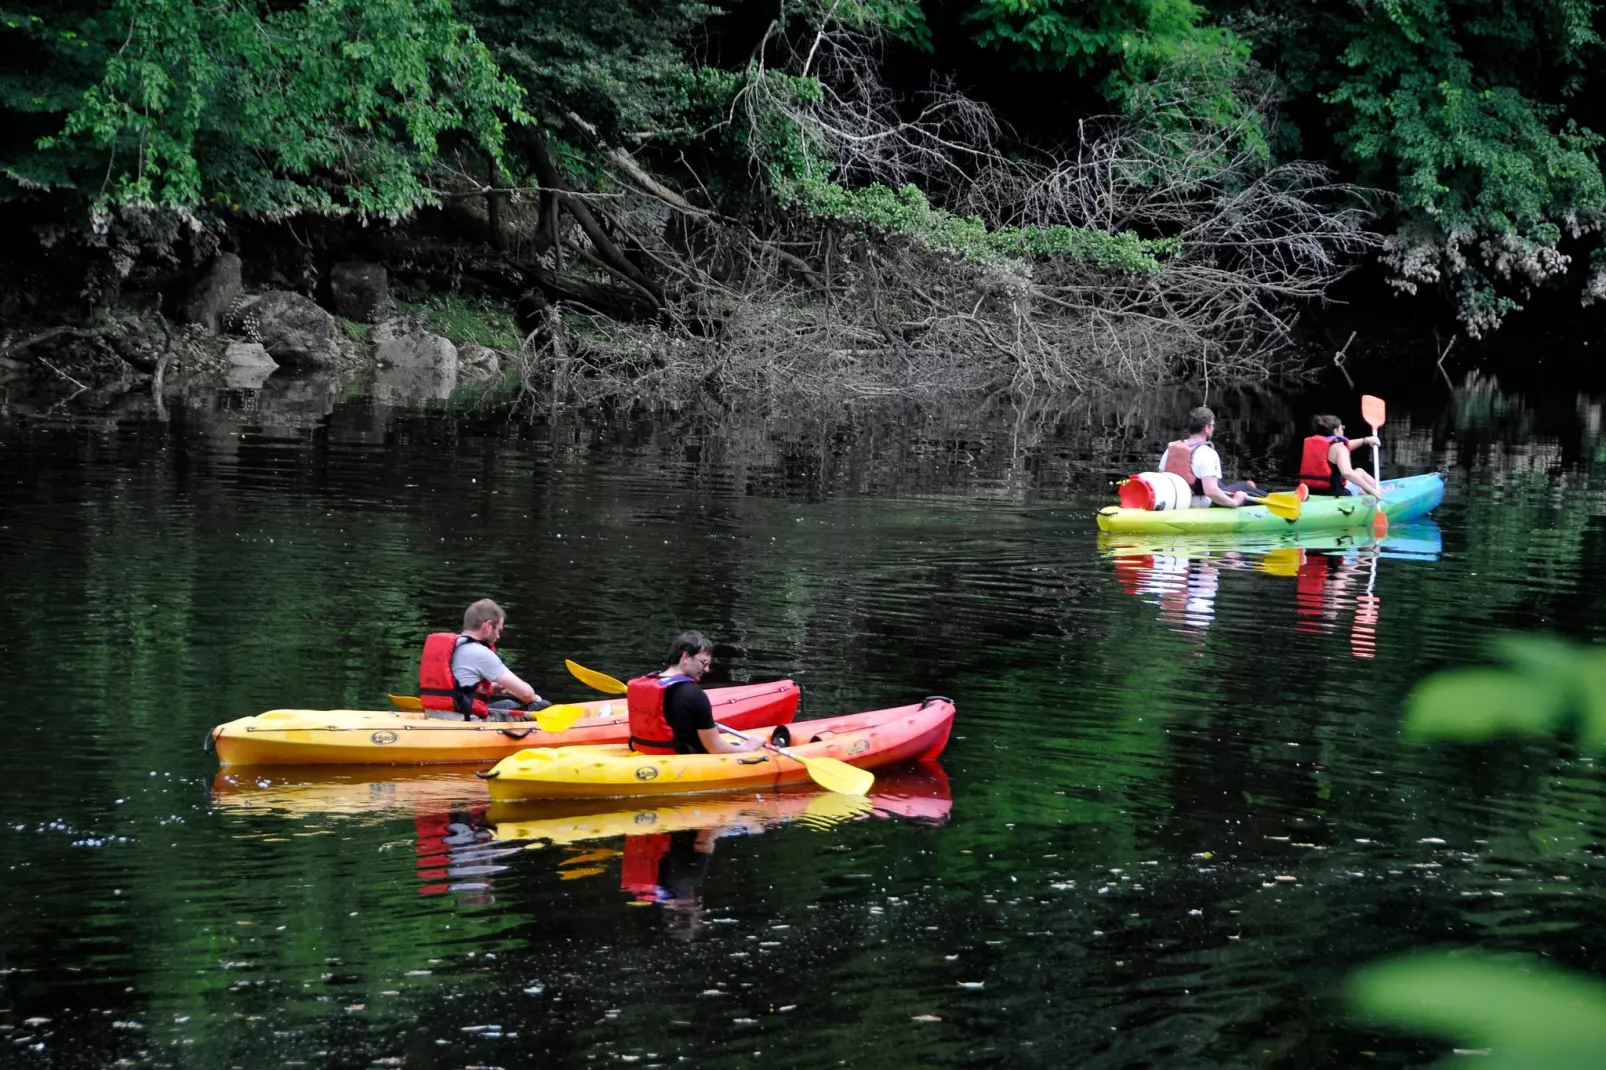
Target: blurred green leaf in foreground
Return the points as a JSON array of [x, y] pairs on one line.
[[1519, 1011], [1546, 686], [1523, 1012]]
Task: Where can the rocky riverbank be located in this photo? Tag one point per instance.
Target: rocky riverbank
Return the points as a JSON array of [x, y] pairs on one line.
[[220, 333]]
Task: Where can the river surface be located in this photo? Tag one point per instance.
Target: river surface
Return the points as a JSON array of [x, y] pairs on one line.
[[1176, 813]]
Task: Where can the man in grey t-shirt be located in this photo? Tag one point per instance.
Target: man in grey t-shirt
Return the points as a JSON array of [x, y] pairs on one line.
[[475, 662]]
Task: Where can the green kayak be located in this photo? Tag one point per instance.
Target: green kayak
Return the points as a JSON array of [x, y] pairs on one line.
[[1404, 499]]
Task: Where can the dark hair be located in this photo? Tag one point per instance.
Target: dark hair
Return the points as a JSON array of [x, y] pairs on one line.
[[1199, 419], [689, 643], [1326, 424]]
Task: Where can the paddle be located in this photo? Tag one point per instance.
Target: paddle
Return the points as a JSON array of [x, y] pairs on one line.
[[1283, 503], [552, 719], [592, 678], [1374, 412], [830, 773]]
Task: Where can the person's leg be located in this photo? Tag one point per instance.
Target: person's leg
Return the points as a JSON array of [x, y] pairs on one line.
[[1247, 486], [506, 709]]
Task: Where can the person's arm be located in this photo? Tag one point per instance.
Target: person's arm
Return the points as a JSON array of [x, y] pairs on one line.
[[1213, 491], [1339, 455], [509, 683], [716, 742]]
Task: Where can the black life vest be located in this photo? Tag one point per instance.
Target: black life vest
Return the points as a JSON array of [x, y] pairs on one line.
[[438, 688], [1315, 470], [650, 732]]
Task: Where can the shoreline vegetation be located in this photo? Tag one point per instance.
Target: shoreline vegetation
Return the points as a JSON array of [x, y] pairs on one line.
[[579, 204]]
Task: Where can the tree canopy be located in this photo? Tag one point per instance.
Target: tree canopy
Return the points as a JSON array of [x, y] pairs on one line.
[[1473, 117]]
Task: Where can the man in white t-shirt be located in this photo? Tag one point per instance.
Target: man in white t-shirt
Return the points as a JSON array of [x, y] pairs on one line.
[[1196, 460]]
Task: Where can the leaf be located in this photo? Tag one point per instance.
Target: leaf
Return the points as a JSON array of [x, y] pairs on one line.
[[1477, 704], [1591, 678], [1527, 1013]]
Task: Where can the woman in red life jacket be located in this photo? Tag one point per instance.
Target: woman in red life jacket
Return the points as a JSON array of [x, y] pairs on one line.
[[1196, 460], [1324, 462], [669, 714], [460, 673]]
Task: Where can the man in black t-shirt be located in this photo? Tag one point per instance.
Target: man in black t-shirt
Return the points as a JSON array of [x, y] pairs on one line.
[[686, 707]]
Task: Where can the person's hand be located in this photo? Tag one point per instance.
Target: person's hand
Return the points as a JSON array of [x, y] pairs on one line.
[[1238, 498]]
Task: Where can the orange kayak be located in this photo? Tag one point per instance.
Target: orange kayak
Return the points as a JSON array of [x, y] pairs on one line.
[[872, 740], [369, 737]]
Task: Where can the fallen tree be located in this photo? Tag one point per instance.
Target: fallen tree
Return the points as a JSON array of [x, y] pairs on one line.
[[881, 254]]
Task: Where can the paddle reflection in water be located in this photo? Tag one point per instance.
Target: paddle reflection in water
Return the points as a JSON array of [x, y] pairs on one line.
[[1335, 574], [666, 849]]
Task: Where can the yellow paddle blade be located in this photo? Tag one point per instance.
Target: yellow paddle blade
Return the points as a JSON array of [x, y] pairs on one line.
[[592, 678], [1283, 503], [836, 775], [406, 702], [1373, 410], [558, 718]]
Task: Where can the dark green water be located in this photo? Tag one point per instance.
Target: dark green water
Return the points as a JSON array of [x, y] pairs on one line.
[[1175, 816]]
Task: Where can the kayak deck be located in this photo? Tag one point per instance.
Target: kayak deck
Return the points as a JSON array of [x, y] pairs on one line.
[[392, 737], [870, 740]]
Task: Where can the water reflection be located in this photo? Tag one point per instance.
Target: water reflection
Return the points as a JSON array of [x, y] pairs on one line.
[[451, 840], [462, 839], [1153, 861], [1335, 574], [667, 849]]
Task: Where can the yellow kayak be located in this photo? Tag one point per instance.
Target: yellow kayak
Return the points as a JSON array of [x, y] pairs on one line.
[[872, 740], [393, 737]]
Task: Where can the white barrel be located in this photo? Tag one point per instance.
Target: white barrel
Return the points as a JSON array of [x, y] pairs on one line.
[[1171, 491]]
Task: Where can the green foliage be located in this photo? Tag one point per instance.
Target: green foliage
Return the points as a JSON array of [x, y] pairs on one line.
[[1461, 108], [462, 318], [1525, 1012], [1057, 35], [329, 106], [619, 64], [1159, 49], [1158, 61], [1545, 687], [905, 212], [901, 20]]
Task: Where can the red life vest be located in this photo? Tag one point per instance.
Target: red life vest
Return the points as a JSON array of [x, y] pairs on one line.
[[650, 732], [438, 689], [1315, 470], [1179, 461]]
